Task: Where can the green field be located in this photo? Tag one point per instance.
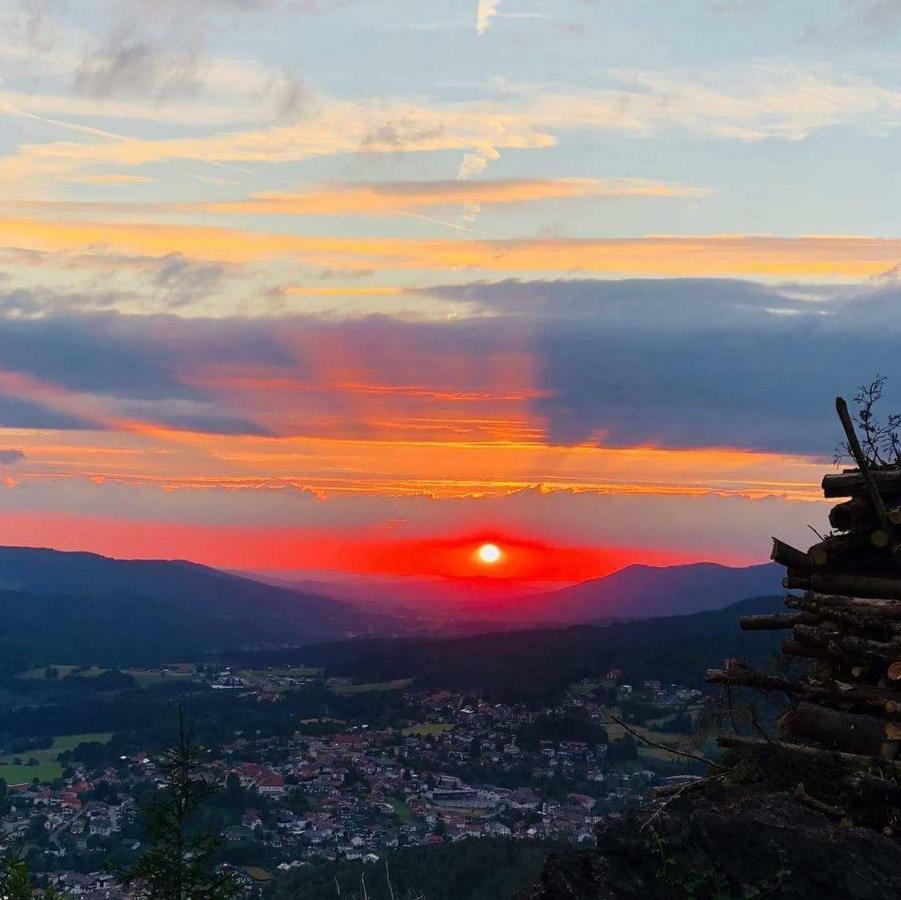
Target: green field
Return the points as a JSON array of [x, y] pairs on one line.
[[397, 685], [48, 768], [144, 677], [427, 728], [64, 672], [401, 810], [300, 672], [26, 774], [261, 876], [615, 732]]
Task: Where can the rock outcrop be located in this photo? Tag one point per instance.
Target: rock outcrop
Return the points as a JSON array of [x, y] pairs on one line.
[[724, 844]]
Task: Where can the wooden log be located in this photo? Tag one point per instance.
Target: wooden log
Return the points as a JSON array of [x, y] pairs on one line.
[[865, 625], [835, 728], [776, 621], [855, 585], [796, 648], [866, 781], [856, 514], [839, 644], [740, 742], [796, 581], [790, 557], [884, 701], [663, 791], [853, 483], [820, 635], [801, 795], [831, 659], [832, 550], [863, 606]]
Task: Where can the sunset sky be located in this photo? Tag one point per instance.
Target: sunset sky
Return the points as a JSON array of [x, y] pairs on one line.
[[359, 285]]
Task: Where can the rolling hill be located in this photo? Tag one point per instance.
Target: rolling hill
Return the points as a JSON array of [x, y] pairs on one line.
[[638, 592], [537, 664], [51, 599]]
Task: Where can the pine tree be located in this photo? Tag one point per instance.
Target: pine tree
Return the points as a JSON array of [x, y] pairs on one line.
[[15, 882], [178, 864]]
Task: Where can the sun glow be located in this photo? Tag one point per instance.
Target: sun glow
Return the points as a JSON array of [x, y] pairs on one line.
[[489, 554]]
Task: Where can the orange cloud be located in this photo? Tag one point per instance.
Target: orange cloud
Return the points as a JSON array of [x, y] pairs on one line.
[[391, 197], [814, 257]]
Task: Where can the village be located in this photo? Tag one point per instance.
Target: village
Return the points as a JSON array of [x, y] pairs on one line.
[[456, 769]]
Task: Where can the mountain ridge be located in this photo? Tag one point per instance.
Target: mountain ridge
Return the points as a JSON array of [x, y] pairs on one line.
[[196, 589]]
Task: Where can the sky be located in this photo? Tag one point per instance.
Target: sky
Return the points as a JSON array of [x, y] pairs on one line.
[[357, 286]]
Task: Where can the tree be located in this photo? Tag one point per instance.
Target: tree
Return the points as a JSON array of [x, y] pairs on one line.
[[15, 882], [880, 439], [178, 865]]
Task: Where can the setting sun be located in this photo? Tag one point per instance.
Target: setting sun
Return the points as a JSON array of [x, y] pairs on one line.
[[489, 554]]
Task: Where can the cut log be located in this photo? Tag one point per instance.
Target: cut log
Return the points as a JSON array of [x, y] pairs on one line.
[[855, 585], [856, 514], [796, 581], [796, 648], [853, 483], [863, 606], [776, 621], [884, 701], [839, 644], [832, 550], [663, 791], [894, 672], [740, 742], [790, 557], [889, 789], [831, 617], [849, 732], [801, 795]]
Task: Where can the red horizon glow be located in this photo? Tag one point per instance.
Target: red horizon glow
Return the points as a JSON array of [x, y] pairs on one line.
[[522, 559]]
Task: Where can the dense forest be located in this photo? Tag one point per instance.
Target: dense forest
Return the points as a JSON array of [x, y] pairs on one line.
[[537, 665]]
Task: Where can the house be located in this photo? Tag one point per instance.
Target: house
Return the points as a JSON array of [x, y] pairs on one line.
[[102, 826], [582, 800], [523, 799], [251, 819], [271, 784]]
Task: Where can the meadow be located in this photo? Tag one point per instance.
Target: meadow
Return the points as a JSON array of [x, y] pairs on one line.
[[48, 766], [398, 684]]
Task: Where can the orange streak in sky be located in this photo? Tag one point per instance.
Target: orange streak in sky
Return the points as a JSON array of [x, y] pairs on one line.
[[837, 257], [294, 548]]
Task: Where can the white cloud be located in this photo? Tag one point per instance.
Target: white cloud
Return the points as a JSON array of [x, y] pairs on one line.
[[486, 11]]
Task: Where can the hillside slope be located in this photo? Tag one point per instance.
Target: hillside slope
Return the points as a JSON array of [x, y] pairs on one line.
[[644, 591], [538, 663], [103, 601], [732, 844]]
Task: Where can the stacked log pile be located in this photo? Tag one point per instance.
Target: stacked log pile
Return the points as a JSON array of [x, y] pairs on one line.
[[844, 615]]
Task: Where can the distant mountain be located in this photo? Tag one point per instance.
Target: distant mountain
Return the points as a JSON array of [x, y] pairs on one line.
[[638, 592], [134, 600]]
